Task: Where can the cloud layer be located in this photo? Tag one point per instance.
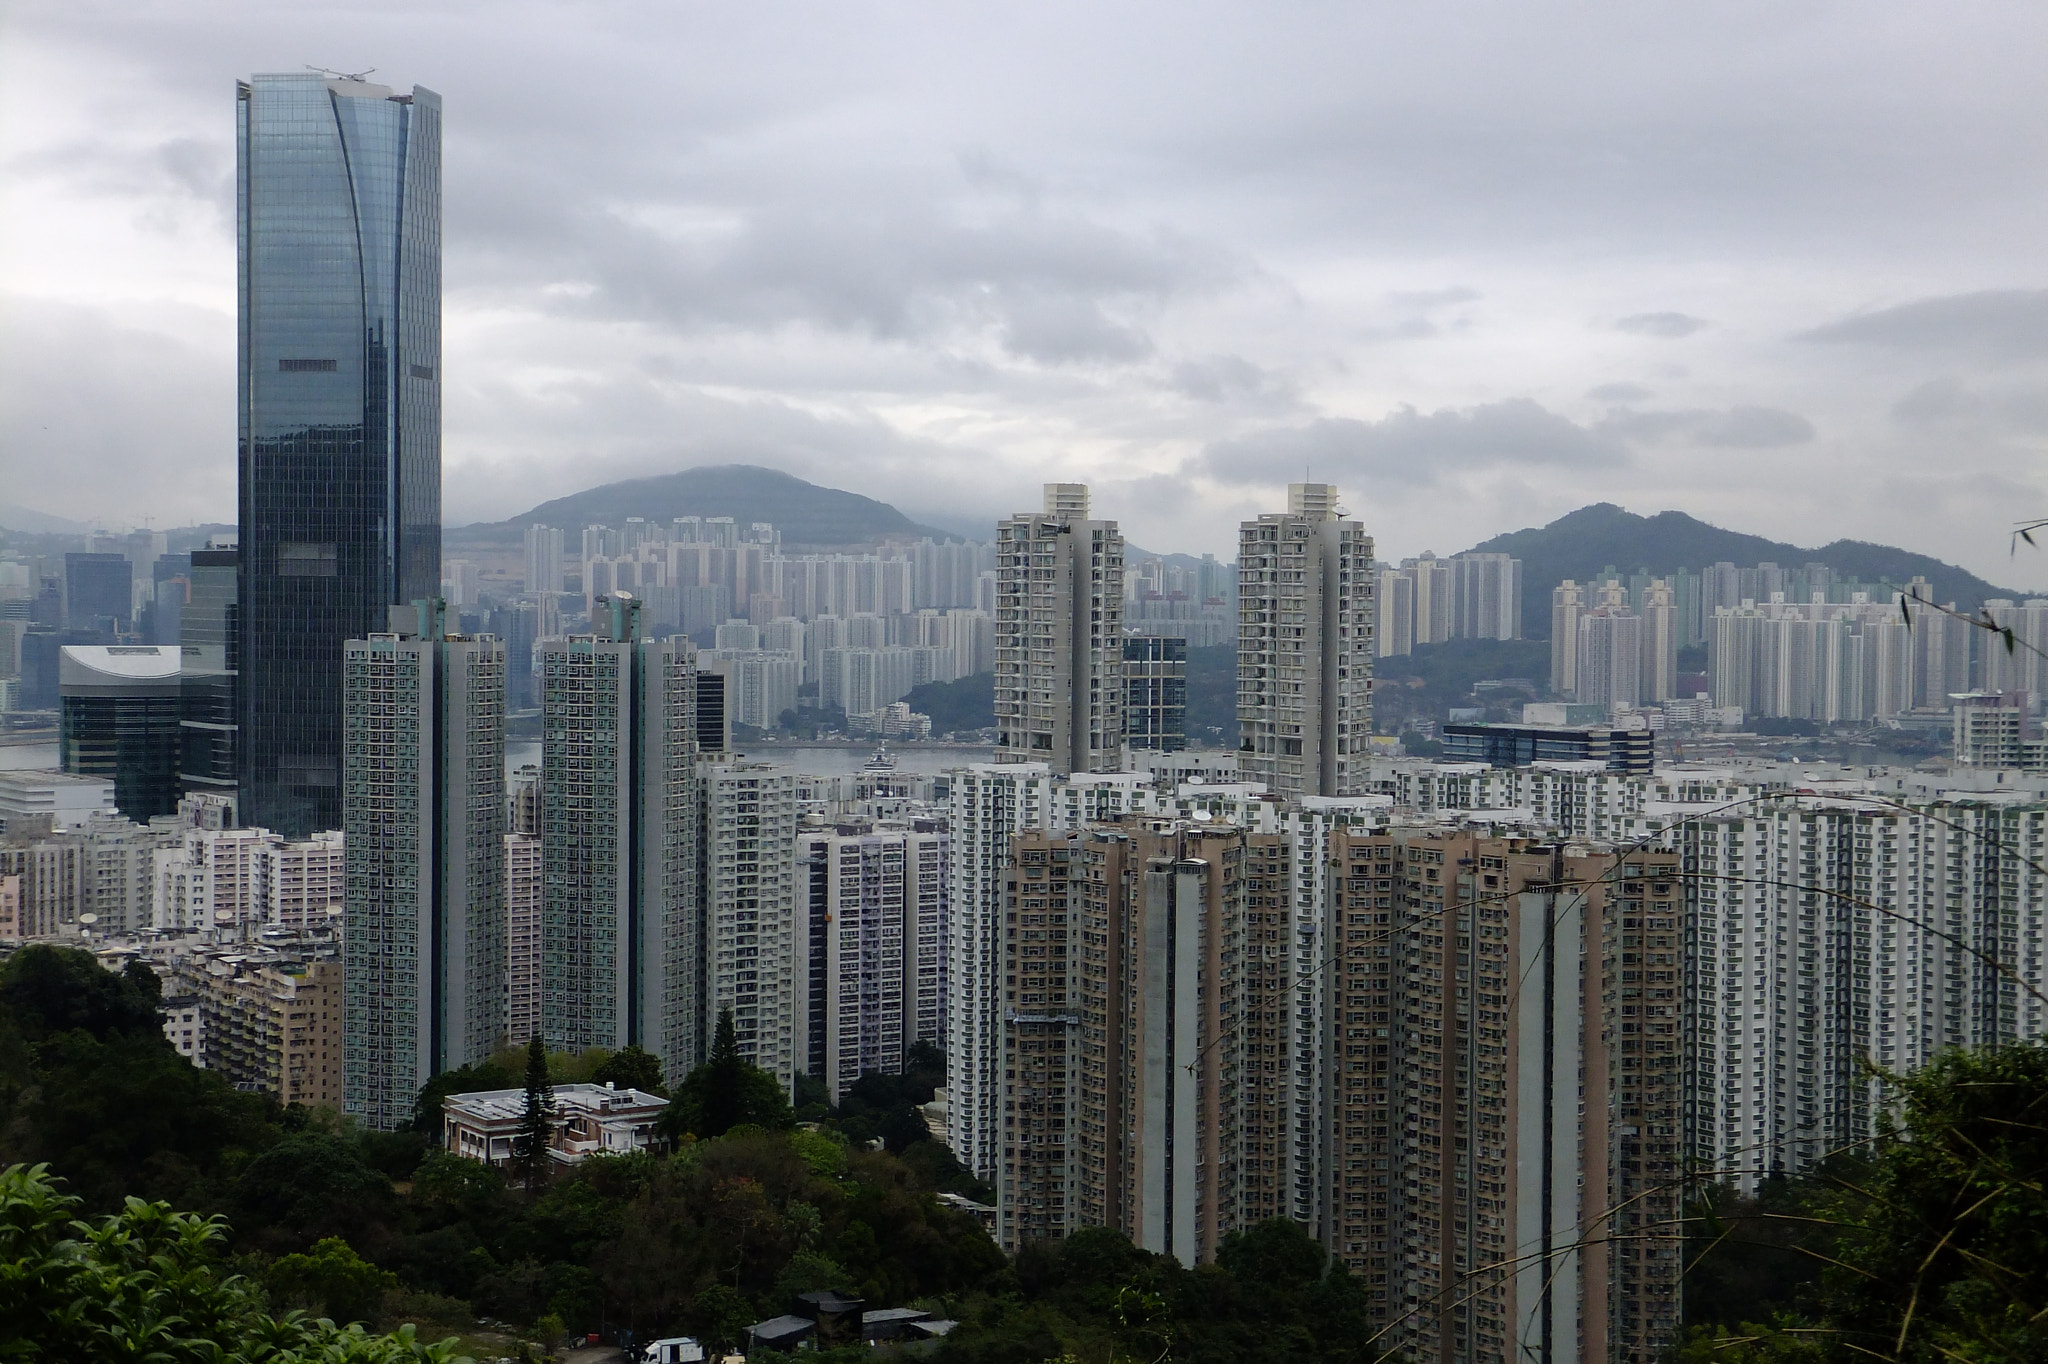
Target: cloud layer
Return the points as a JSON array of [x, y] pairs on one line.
[[1478, 264]]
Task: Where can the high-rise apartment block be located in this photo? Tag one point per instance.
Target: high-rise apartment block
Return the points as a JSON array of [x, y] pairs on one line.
[[423, 814], [1305, 647], [1134, 1090], [876, 906], [991, 804], [622, 950], [755, 919], [1059, 695], [1506, 1129], [1428, 600], [543, 559], [338, 408]]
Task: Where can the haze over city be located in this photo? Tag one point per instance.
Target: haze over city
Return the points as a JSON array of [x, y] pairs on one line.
[[1774, 266]]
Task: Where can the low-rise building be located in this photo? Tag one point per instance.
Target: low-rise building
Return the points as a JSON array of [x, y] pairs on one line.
[[185, 1027], [589, 1120], [266, 1018]]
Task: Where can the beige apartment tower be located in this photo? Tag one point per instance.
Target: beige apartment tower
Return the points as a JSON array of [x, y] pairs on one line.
[[1129, 1096], [1305, 647], [1059, 636], [1502, 1158]]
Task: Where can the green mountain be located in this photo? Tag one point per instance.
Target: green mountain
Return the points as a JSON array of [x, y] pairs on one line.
[[1578, 545], [805, 513]]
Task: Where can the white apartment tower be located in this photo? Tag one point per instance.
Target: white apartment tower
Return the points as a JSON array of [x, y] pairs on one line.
[[1304, 647], [751, 913], [1059, 636], [991, 803], [877, 912], [621, 923], [423, 819], [543, 559]]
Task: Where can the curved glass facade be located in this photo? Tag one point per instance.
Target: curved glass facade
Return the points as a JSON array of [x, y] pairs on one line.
[[338, 203]]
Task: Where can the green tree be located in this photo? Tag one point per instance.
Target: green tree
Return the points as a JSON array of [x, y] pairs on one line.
[[720, 1316], [332, 1279], [537, 1122], [726, 1091], [469, 1079], [631, 1067], [306, 1187], [1934, 1249], [47, 990], [147, 1283]]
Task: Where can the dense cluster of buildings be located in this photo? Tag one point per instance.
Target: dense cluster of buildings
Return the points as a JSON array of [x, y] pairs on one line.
[[1478, 1022], [1803, 644]]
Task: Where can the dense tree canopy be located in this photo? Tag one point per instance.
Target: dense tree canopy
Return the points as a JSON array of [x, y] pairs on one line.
[[147, 1283], [1930, 1246]]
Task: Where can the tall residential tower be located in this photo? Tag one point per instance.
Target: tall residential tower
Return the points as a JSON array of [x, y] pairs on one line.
[[338, 407], [1304, 647], [1059, 636], [423, 811], [622, 945]]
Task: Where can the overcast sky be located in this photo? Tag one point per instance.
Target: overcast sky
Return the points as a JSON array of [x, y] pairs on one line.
[[1779, 265]]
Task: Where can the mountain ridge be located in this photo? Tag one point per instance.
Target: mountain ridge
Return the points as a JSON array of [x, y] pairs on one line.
[[806, 513], [1580, 543]]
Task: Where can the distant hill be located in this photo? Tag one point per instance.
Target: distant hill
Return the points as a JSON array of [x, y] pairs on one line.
[[29, 521], [805, 513], [1578, 545]]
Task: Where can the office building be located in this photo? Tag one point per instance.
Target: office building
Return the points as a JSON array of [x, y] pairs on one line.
[[423, 811], [876, 906], [99, 591], [755, 917], [1304, 651], [208, 649], [338, 406], [1622, 750], [1506, 1032], [1156, 693], [1059, 693], [621, 922], [120, 720]]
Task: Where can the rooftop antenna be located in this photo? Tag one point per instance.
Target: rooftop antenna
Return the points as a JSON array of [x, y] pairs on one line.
[[342, 75]]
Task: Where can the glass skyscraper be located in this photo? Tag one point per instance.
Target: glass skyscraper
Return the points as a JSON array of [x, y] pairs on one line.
[[338, 205]]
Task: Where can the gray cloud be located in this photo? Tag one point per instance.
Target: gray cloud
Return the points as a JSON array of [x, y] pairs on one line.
[[1413, 447], [1663, 326], [1743, 427], [938, 261], [1991, 410], [2001, 324], [1433, 298], [1620, 393]]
